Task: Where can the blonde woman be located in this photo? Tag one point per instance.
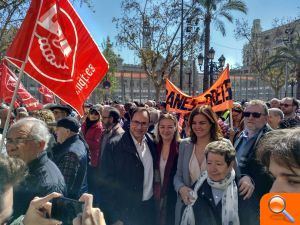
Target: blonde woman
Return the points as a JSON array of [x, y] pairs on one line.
[[167, 139]]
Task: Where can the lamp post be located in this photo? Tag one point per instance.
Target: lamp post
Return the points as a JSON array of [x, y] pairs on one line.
[[214, 67], [292, 82]]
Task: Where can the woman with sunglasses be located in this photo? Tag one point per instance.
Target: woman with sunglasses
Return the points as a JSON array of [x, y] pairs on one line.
[[92, 131], [191, 160], [167, 139]]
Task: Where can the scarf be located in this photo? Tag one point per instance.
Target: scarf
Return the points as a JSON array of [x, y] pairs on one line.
[[229, 200], [160, 190]]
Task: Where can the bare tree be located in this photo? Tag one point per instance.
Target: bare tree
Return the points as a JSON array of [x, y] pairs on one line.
[[150, 28]]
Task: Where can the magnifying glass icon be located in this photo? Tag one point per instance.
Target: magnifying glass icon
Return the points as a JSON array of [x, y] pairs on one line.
[[277, 205]]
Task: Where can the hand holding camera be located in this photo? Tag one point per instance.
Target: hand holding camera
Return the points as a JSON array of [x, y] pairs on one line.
[[63, 211]]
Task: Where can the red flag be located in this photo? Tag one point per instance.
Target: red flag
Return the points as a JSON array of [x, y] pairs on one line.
[[8, 84], [47, 95], [63, 56]]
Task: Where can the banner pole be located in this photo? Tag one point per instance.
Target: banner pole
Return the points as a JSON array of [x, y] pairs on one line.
[[11, 106], [19, 81], [231, 121]]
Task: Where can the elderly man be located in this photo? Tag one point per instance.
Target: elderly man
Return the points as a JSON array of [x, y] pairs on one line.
[[275, 117], [60, 111], [255, 122], [285, 170], [27, 139], [70, 155], [126, 173], [275, 103]]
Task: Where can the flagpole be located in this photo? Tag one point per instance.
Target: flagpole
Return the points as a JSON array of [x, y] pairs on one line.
[[19, 81], [230, 118]]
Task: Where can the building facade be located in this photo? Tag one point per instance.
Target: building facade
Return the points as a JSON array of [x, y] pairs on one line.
[[263, 45]]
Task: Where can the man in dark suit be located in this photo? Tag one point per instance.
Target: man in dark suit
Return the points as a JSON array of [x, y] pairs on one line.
[[126, 174], [255, 121]]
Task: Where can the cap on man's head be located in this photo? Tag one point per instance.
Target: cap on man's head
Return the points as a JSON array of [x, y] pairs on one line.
[[65, 108], [70, 123]]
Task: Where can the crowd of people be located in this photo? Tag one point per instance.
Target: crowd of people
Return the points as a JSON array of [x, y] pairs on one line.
[[143, 165]]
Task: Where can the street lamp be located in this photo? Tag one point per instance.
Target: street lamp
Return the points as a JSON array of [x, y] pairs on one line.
[[292, 82], [214, 67]]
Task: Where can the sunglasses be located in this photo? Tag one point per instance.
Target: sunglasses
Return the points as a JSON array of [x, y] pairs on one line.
[[238, 110], [94, 112], [286, 105], [254, 114]]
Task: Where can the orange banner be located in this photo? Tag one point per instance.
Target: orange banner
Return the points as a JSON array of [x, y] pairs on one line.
[[218, 96]]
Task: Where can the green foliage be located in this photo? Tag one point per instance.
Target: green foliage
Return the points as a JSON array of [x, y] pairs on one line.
[[213, 12], [113, 60]]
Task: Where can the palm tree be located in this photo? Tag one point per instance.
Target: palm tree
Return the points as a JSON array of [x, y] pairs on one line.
[[290, 53], [213, 11]]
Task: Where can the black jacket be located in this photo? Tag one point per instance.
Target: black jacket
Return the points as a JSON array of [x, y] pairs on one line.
[[206, 212], [251, 167], [121, 179], [78, 146], [43, 178]]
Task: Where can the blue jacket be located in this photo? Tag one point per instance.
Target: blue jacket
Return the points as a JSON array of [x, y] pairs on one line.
[[78, 146], [43, 178]]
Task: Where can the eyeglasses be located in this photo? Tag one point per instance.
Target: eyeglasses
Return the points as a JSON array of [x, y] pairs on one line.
[[238, 110], [136, 123], [285, 105], [254, 114], [10, 141]]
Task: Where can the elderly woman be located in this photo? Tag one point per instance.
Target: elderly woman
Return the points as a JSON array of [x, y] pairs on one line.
[[167, 139], [191, 160], [215, 194]]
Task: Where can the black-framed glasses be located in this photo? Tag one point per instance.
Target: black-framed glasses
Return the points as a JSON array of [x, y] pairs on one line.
[[254, 114], [138, 123]]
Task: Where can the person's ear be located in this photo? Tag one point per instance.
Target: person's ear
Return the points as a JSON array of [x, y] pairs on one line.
[[42, 144]]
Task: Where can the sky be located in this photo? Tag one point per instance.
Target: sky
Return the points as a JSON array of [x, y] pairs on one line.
[[100, 25]]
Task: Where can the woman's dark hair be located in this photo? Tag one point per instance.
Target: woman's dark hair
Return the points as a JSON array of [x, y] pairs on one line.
[[215, 130]]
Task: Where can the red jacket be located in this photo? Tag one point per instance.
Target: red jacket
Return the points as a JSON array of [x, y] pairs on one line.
[[93, 138]]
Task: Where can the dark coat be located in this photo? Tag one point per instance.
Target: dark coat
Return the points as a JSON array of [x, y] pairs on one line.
[[251, 167], [92, 136], [74, 144], [206, 212], [43, 178], [121, 180]]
